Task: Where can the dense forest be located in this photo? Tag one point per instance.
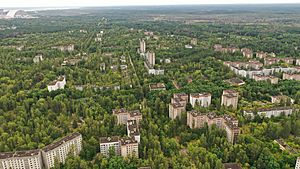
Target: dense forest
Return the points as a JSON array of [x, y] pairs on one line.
[[31, 117]]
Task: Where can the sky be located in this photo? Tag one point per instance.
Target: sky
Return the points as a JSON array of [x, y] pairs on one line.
[[68, 3]]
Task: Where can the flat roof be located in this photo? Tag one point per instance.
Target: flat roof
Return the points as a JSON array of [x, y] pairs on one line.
[[109, 139], [61, 141], [17, 154]]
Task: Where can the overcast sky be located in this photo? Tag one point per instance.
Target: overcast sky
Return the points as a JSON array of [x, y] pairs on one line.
[[61, 3]]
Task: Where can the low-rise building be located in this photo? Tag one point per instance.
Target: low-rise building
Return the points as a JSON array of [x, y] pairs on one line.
[[291, 76], [230, 98], [123, 115], [188, 46], [157, 86], [235, 82], [129, 147], [133, 130], [271, 79], [226, 122], [108, 143], [232, 166], [60, 149], [31, 159], [201, 99], [57, 84], [68, 48]]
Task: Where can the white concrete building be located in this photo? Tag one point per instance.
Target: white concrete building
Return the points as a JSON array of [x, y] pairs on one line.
[[59, 150], [202, 99], [107, 143], [21, 160], [57, 84], [38, 58], [297, 166]]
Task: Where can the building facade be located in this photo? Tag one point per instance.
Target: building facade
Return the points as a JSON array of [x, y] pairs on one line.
[[21, 160], [57, 84], [230, 98], [59, 150], [178, 105], [229, 124], [129, 147], [297, 166], [123, 115], [142, 46], [201, 99], [107, 143]]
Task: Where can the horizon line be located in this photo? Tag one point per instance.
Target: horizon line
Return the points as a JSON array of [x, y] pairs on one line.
[[148, 5]]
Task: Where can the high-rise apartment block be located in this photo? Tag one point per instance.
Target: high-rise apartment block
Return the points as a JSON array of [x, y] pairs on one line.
[[226, 122], [178, 105], [123, 115], [230, 98], [200, 99]]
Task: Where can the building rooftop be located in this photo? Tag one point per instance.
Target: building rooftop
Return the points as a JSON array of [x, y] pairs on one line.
[[232, 166], [177, 105], [198, 95], [133, 128], [20, 154], [59, 79], [126, 141], [109, 139], [157, 86], [61, 141]]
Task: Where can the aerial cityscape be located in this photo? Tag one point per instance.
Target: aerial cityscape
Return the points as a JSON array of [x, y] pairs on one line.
[[150, 87]]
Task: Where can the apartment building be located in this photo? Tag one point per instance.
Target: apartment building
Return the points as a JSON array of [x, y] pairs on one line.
[[201, 99], [133, 130], [123, 115], [271, 79], [269, 112], [142, 46], [150, 58], [230, 98], [60, 149], [129, 147], [178, 105], [291, 76], [57, 84], [261, 55], [281, 98], [229, 124], [107, 143], [247, 52], [157, 86], [31, 159]]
